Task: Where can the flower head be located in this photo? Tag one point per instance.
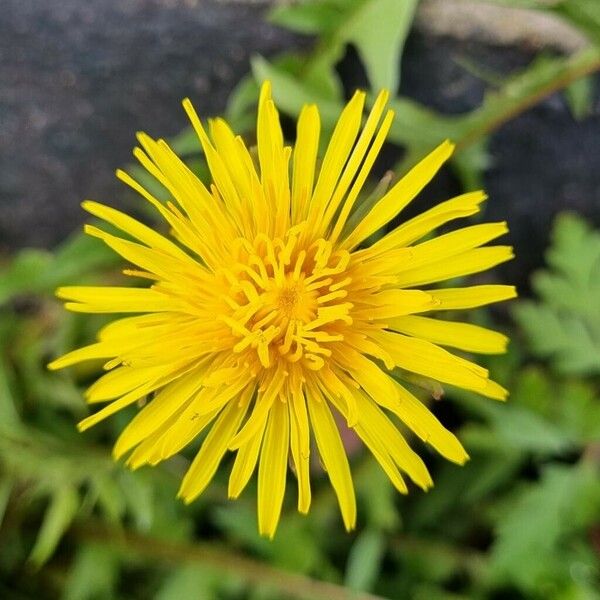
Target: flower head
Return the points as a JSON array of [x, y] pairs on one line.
[[268, 311]]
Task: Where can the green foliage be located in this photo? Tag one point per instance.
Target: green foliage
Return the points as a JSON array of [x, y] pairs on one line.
[[580, 96], [565, 325], [517, 521], [63, 506], [364, 560], [353, 22], [536, 532], [41, 272], [416, 128], [583, 14], [93, 575]]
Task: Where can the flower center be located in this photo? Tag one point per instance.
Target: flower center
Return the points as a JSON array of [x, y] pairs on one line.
[[286, 301], [293, 300]]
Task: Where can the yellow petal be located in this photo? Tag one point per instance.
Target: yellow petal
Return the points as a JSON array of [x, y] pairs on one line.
[[272, 469], [467, 263], [376, 447], [451, 244], [366, 373], [305, 156], [147, 452], [122, 380], [425, 358], [188, 425], [356, 158], [171, 398], [116, 406], [333, 455], [154, 261], [91, 352], [463, 336], [462, 206], [400, 194], [300, 446], [472, 297], [206, 462], [393, 303], [245, 463], [271, 155], [377, 426], [338, 150], [263, 405], [359, 182], [424, 424], [134, 228], [115, 299]]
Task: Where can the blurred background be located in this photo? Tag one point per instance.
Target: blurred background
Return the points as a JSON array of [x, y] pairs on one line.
[[514, 83]]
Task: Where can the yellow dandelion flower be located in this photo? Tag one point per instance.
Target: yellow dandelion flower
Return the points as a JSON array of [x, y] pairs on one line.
[[268, 312]]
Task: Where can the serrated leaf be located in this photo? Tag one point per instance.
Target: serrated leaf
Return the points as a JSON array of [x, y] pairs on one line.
[[565, 325], [530, 533], [578, 411], [526, 431], [59, 514]]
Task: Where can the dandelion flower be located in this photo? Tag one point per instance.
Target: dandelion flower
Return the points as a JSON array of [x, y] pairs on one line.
[[269, 311]]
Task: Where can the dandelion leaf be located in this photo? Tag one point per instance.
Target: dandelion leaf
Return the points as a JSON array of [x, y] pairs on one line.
[[564, 324]]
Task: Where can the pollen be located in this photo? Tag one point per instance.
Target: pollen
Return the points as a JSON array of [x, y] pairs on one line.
[[287, 302]]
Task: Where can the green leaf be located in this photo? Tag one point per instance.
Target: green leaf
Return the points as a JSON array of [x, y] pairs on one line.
[[377, 29], [93, 575], [9, 415], [523, 430], [538, 522], [23, 273], [37, 271], [109, 498], [578, 411], [138, 495], [189, 581], [565, 325], [420, 129], [580, 97], [315, 17], [59, 514], [241, 104], [379, 496], [583, 14], [6, 487], [364, 560]]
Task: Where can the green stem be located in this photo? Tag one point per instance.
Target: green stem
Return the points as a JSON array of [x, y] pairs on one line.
[[254, 572], [487, 119]]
